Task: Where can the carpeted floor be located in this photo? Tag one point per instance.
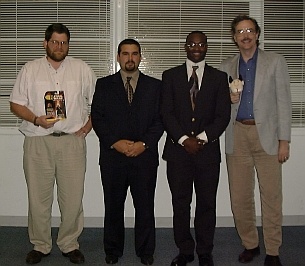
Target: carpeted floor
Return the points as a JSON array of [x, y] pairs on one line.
[[14, 245]]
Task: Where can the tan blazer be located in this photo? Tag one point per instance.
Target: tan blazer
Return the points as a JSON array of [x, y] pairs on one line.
[[271, 103]]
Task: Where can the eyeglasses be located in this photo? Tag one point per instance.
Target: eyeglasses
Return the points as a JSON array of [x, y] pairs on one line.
[[57, 43], [245, 30], [193, 45]]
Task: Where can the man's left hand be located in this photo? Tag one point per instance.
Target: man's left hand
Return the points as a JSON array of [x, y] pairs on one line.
[[135, 149]]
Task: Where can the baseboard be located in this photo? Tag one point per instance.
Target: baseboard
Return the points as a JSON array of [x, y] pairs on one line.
[[161, 222]]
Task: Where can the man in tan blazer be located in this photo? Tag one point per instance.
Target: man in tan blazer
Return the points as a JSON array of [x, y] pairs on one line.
[[257, 139]]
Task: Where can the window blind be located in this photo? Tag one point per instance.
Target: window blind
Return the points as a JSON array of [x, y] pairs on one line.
[[284, 33], [22, 27], [160, 26]]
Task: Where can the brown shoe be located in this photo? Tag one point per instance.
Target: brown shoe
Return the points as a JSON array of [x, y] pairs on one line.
[[272, 261], [35, 256], [75, 256], [248, 254]]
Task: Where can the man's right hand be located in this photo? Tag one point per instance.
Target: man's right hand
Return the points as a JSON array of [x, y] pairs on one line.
[[44, 122], [235, 96]]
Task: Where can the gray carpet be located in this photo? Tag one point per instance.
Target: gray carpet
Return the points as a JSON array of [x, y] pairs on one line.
[[14, 245]]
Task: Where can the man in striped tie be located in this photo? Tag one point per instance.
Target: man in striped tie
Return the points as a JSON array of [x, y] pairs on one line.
[[195, 108]]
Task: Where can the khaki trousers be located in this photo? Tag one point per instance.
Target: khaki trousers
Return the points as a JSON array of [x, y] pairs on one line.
[[248, 156], [47, 160]]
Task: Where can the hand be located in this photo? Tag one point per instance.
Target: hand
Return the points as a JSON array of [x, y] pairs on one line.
[[122, 145], [83, 132], [44, 122], [283, 154], [235, 96], [192, 145], [135, 149]]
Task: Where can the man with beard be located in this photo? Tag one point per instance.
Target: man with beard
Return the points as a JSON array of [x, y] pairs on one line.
[[54, 151], [125, 117], [195, 109], [257, 139]]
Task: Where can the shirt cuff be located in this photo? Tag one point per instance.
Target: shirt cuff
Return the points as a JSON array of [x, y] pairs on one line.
[[183, 138], [202, 136]]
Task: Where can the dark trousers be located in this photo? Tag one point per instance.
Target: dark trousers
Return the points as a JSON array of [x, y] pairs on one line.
[[142, 183], [182, 176]]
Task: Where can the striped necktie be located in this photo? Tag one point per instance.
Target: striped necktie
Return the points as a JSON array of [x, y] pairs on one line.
[[129, 90], [195, 87]]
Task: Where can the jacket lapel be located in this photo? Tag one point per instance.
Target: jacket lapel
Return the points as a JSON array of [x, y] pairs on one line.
[[204, 81], [185, 85], [118, 87], [235, 67], [260, 72], [183, 78]]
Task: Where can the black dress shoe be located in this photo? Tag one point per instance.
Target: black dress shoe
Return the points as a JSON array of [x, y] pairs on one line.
[[272, 261], [206, 260], [182, 260], [111, 259], [248, 254], [75, 256], [147, 259], [35, 256]]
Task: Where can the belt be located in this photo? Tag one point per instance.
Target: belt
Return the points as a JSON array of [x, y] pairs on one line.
[[58, 134], [249, 122]]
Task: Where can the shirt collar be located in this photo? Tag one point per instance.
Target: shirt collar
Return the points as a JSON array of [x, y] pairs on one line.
[[134, 76], [190, 64], [254, 57], [61, 64]]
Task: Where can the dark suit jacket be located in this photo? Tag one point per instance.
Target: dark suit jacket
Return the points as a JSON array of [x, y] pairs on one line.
[[114, 119], [211, 114]]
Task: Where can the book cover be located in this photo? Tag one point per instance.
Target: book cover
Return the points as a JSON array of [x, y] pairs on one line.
[[55, 105]]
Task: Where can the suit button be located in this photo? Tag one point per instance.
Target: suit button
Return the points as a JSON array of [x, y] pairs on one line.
[[193, 119], [192, 133]]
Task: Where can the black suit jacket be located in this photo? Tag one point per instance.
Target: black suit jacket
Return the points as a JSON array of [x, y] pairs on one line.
[[211, 114], [114, 119]]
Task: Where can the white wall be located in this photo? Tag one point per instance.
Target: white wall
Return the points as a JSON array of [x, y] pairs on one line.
[[13, 191]]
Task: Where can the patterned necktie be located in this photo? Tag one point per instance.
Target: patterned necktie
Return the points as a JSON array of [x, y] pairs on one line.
[[129, 90], [195, 88]]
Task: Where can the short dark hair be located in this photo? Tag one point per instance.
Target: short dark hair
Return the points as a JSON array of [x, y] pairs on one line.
[[128, 41], [240, 18], [194, 32], [58, 28]]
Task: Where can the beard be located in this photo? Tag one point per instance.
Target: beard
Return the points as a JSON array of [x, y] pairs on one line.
[[130, 66], [56, 56]]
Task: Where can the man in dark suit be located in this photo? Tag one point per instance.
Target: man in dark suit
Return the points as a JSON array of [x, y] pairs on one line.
[[126, 119], [192, 148]]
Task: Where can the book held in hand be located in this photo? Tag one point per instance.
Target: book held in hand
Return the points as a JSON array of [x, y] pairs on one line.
[[55, 105]]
